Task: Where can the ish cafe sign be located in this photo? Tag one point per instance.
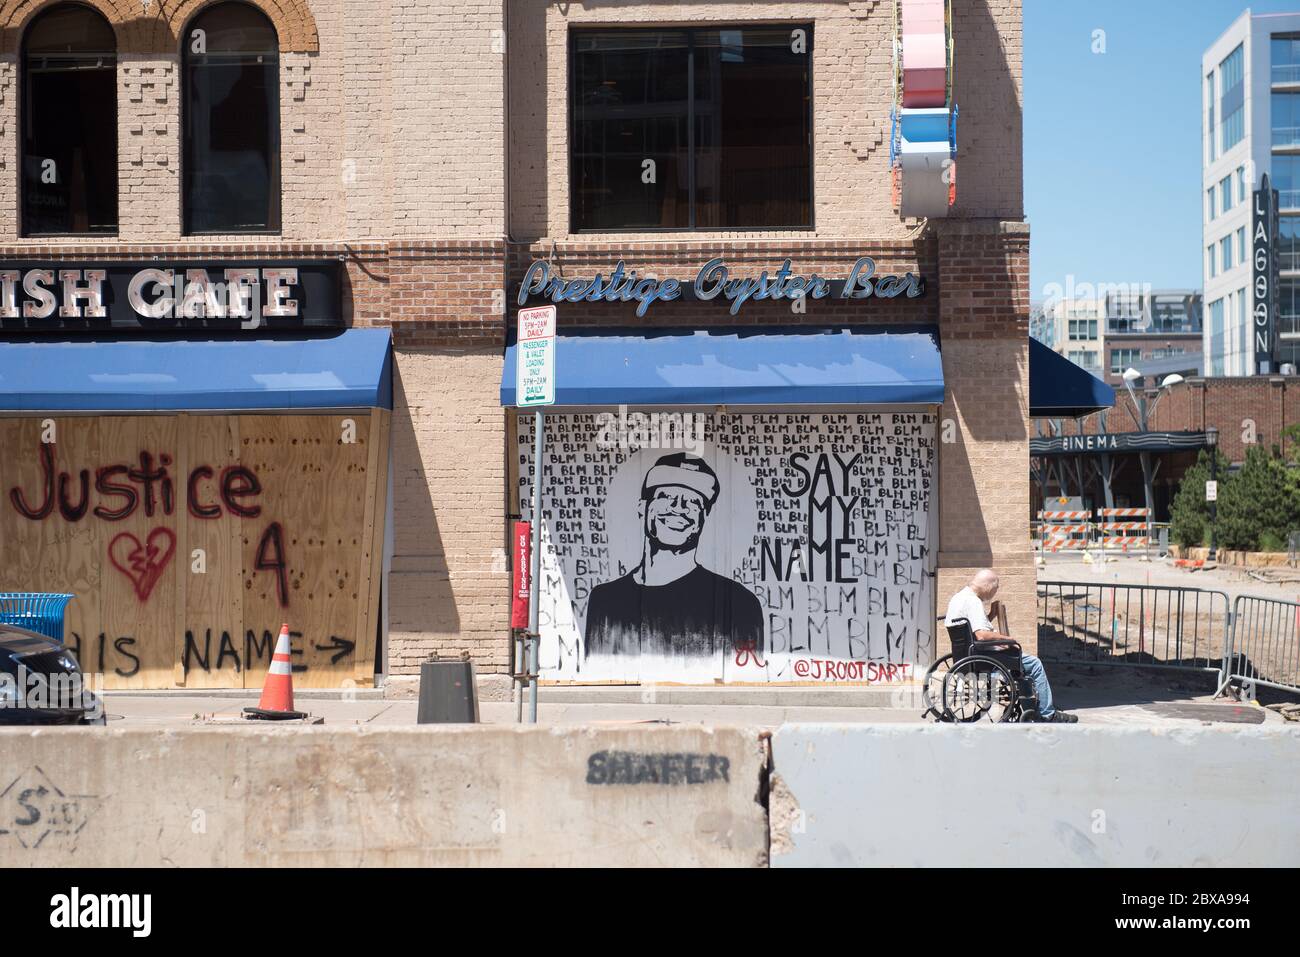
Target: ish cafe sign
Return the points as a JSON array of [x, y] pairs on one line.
[[66, 296]]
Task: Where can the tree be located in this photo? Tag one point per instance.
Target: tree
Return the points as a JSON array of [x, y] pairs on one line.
[[1189, 513], [1259, 506]]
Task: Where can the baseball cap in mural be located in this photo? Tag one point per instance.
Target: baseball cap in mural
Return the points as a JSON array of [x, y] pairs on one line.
[[686, 470]]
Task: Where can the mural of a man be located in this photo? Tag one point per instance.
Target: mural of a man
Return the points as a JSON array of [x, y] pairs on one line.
[[669, 604]]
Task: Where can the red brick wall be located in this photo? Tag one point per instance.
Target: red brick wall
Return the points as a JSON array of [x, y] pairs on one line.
[[1240, 408]]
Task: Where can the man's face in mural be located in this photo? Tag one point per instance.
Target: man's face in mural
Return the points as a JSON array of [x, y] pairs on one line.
[[674, 517]]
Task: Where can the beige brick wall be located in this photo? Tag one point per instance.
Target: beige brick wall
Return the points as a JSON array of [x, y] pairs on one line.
[[394, 142], [852, 95], [392, 130], [449, 587], [984, 475]]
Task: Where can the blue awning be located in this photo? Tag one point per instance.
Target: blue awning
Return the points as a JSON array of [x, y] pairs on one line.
[[770, 366], [352, 369], [1059, 389]]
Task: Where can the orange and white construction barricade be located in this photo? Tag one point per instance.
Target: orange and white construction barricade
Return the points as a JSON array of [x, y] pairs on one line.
[[1126, 531], [1064, 531]]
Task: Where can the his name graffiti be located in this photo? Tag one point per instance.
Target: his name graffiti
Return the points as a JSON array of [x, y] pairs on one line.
[[147, 485], [206, 649], [198, 651], [121, 645]]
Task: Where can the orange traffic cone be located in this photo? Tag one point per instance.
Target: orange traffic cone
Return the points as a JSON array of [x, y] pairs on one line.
[[276, 703]]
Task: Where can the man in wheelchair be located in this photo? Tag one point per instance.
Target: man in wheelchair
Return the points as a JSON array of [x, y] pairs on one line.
[[1001, 658]]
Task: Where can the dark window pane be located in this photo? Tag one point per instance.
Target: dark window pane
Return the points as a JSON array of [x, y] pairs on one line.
[[232, 122], [629, 162], [69, 117], [669, 120], [753, 142]]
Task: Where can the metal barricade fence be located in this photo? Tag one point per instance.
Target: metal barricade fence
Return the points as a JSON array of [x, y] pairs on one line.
[[1265, 644], [1154, 626]]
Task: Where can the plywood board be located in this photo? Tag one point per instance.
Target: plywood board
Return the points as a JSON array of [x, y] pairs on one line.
[[370, 592], [213, 644], [303, 551], [197, 535]]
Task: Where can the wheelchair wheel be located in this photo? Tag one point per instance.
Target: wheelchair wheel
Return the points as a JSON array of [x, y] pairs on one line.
[[979, 687], [932, 689]]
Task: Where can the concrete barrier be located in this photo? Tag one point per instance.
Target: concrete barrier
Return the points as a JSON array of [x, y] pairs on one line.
[[944, 795], [641, 796]]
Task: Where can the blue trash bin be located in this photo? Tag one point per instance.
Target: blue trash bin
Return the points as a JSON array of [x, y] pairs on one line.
[[41, 612]]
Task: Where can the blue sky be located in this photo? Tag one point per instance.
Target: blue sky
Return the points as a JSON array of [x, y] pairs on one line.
[[1113, 140]]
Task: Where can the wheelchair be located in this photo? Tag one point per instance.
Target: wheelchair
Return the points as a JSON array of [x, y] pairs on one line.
[[980, 679]]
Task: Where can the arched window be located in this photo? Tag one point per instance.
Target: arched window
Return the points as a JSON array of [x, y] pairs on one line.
[[69, 121], [232, 121]]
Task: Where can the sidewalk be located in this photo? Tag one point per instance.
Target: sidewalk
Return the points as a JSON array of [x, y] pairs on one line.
[[1109, 696]]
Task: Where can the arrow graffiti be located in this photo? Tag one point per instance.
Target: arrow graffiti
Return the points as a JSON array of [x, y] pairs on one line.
[[340, 646]]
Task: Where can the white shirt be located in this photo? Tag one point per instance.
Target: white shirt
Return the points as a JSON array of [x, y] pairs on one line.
[[966, 604]]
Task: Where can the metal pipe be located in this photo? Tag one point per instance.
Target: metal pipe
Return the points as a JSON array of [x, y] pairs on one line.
[[535, 586]]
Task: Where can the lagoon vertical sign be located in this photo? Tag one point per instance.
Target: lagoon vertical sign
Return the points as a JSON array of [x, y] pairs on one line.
[[1264, 297]]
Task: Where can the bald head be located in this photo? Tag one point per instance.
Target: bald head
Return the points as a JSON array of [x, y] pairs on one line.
[[985, 584]]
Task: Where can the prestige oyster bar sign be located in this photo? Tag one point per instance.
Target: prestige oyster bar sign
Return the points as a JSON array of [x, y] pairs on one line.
[[715, 281], [74, 297]]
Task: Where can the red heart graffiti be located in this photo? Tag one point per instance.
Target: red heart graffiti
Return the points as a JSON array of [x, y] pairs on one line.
[[142, 562]]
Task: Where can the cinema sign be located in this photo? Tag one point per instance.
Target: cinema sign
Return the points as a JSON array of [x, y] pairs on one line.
[[65, 297]]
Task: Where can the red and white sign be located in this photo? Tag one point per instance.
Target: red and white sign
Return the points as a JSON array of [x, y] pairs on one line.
[[535, 357]]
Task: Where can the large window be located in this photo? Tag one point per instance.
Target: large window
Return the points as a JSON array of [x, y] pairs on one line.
[[691, 129], [1225, 193], [1216, 337], [1286, 180], [1286, 119], [1288, 246], [1232, 105], [69, 123], [1210, 140], [232, 122], [1122, 359], [1082, 329], [1285, 52], [1085, 359]]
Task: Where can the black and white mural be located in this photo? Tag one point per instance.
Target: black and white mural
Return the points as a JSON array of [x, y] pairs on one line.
[[703, 547]]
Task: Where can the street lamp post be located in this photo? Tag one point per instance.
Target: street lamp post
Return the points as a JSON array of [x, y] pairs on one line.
[[1212, 440], [1142, 413]]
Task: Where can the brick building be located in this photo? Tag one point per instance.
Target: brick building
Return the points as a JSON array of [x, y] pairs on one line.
[[434, 157]]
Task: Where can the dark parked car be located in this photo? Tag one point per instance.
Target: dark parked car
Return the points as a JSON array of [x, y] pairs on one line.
[[41, 682]]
